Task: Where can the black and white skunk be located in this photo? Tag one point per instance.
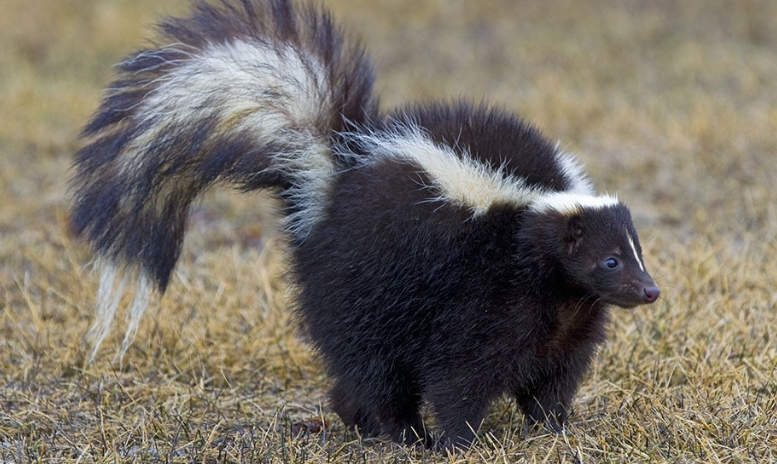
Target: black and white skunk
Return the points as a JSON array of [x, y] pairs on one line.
[[445, 253]]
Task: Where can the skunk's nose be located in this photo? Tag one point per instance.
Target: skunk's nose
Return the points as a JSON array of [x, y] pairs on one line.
[[650, 294]]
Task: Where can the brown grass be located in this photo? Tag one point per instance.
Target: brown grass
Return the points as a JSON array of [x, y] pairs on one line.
[[671, 104]]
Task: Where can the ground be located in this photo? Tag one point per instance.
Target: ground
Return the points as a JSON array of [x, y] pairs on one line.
[[671, 105]]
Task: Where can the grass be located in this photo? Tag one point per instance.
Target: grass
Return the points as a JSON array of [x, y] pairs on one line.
[[673, 105]]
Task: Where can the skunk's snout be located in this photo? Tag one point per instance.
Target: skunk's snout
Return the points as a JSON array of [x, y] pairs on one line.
[[650, 294]]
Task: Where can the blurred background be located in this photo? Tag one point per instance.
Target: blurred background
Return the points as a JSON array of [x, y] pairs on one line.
[[672, 105]]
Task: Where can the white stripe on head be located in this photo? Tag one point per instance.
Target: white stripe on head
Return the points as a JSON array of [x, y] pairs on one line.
[[634, 250], [568, 203]]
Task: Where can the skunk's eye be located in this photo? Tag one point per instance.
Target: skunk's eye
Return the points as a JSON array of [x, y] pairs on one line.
[[611, 263]]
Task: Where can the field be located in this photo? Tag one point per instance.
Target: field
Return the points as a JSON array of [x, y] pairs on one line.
[[670, 104]]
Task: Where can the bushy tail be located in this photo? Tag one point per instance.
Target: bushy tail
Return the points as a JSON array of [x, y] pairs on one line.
[[248, 93]]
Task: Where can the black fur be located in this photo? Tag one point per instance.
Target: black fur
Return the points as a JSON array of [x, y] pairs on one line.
[[408, 299], [408, 294]]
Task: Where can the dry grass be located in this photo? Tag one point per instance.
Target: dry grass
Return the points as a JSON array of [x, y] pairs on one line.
[[671, 104]]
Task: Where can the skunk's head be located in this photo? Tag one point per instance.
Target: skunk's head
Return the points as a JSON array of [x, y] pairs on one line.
[[597, 247]]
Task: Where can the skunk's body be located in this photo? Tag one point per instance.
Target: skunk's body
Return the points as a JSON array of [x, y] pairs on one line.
[[443, 252]]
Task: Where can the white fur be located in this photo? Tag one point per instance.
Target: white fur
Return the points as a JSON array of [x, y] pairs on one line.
[[276, 95], [109, 295], [113, 282], [574, 173], [569, 203], [138, 308], [634, 250], [246, 87], [313, 172], [458, 179], [463, 180]]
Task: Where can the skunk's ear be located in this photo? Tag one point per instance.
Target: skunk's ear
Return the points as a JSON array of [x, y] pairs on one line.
[[574, 234]]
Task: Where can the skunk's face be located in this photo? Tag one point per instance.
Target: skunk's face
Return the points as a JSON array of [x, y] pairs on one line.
[[604, 257]]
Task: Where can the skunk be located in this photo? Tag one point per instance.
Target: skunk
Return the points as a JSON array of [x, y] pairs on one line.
[[444, 252]]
